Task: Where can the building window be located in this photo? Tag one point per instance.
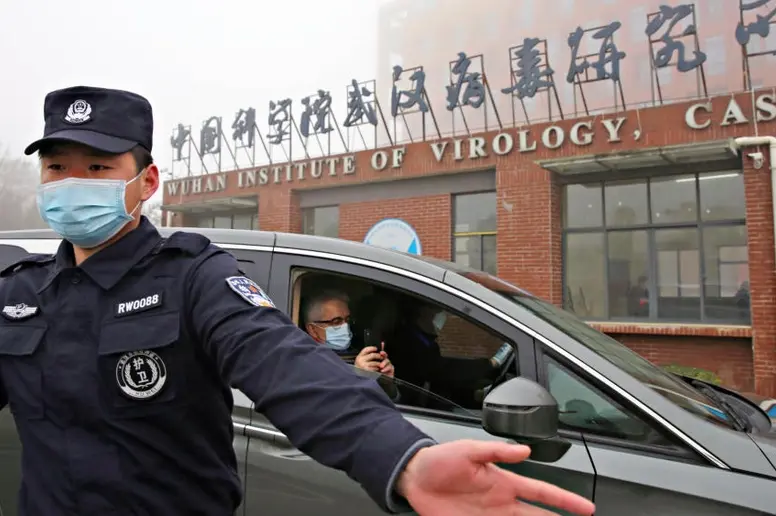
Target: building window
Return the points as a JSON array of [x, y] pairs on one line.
[[245, 221], [474, 231], [671, 249], [229, 221], [321, 221]]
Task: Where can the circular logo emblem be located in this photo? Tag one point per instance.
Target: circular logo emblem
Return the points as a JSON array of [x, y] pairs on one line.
[[394, 234], [141, 374], [78, 112]]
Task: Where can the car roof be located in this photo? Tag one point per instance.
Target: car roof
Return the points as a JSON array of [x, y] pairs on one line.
[[429, 267]]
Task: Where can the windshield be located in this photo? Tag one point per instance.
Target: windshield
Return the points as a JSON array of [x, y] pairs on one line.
[[662, 382]]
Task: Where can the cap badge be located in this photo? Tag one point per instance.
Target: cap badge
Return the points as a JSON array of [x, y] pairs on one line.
[[78, 112]]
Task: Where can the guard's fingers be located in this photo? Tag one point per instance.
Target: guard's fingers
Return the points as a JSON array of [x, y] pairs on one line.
[[483, 452], [368, 350], [547, 494]]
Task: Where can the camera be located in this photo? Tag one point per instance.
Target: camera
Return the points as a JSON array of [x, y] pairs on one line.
[[758, 159]]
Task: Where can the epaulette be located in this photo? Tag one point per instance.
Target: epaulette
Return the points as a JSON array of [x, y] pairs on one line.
[[30, 260], [191, 244]]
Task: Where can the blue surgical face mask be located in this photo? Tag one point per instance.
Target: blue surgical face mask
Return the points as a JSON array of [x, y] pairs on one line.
[[338, 337], [439, 321], [85, 212]]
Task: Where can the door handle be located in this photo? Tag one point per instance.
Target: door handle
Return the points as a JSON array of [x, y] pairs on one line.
[[270, 436], [266, 434]]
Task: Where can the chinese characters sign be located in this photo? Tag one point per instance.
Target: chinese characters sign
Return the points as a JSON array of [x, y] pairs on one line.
[[592, 54]]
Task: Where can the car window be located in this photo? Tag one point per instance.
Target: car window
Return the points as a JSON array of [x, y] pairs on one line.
[[586, 409], [442, 359], [662, 382]]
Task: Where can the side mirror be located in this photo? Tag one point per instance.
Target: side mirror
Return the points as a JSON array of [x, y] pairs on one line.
[[523, 410]]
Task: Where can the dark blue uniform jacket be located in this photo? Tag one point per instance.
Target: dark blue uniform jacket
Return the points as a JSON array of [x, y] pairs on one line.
[[118, 372]]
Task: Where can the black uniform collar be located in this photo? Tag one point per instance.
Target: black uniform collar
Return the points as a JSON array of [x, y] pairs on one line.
[[112, 263]]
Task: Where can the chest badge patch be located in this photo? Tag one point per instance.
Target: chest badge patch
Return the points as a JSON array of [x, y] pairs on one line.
[[20, 311], [141, 375], [138, 305], [247, 289]]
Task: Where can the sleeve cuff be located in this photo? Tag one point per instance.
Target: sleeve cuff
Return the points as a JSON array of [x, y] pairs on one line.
[[395, 503]]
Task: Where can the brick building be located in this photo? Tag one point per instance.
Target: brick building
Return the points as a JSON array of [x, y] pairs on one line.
[[651, 223], [577, 221]]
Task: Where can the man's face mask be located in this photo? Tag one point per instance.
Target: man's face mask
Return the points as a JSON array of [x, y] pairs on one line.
[[85, 212], [338, 337]]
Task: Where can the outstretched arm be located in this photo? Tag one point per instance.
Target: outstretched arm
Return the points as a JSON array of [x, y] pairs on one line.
[[326, 410]]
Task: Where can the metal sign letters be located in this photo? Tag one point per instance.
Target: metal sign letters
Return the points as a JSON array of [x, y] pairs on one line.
[[671, 31]]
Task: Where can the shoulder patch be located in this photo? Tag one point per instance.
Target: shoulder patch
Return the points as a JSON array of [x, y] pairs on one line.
[[247, 289], [31, 260], [190, 243]]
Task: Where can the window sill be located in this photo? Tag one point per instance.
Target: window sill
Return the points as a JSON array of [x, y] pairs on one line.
[[678, 329]]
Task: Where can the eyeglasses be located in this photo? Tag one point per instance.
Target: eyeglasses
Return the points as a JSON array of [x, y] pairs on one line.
[[336, 321]]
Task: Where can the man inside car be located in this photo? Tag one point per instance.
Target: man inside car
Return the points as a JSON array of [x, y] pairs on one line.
[[327, 320], [415, 349]]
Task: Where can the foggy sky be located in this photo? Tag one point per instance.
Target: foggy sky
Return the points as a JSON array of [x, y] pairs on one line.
[[191, 59]]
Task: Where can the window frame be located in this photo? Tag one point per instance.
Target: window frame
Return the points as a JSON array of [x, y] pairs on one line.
[[721, 263], [651, 228], [231, 214], [679, 452], [453, 304], [479, 235], [312, 209]]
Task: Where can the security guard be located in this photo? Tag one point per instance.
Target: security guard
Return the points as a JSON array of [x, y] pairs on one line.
[[117, 356]]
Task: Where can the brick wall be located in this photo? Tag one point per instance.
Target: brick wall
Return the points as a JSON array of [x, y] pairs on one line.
[[730, 359], [529, 233], [762, 264], [279, 211]]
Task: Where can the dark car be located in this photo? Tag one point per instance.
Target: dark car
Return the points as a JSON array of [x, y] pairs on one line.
[[614, 427]]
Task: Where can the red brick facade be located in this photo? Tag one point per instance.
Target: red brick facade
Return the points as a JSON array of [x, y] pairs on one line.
[[529, 241]]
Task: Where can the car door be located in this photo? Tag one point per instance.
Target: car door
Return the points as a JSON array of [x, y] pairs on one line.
[[256, 266], [282, 480], [639, 469], [10, 447]]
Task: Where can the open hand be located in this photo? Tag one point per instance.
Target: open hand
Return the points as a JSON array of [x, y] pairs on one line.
[[460, 479]]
